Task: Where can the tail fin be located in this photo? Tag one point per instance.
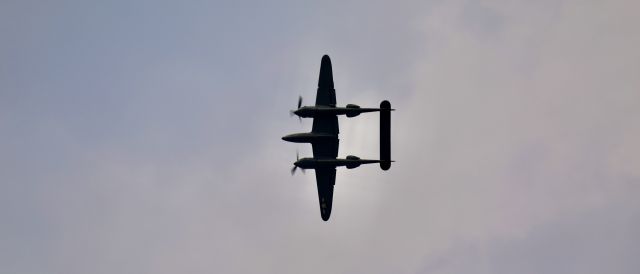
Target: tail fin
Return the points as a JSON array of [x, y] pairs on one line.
[[385, 135]]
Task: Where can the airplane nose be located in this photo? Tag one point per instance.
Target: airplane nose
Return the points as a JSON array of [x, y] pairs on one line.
[[287, 138]]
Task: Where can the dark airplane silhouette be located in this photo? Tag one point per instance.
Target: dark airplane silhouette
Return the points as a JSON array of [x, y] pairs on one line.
[[324, 137]]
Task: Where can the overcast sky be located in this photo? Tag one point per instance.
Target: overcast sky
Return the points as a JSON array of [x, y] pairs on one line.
[[144, 137]]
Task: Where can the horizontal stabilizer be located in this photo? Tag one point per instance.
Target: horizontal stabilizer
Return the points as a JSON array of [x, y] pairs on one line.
[[385, 135]]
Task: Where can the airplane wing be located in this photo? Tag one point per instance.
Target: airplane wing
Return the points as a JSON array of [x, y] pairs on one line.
[[325, 149], [328, 124], [326, 95], [326, 178]]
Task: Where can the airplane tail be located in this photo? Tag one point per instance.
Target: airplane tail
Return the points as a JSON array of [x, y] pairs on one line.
[[385, 135]]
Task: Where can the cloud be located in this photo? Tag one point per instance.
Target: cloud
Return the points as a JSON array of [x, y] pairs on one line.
[[149, 142]]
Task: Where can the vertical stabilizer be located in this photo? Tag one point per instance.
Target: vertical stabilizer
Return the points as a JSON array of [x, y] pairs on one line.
[[385, 135]]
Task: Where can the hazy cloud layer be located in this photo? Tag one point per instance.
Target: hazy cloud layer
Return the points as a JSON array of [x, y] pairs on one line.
[[144, 137]]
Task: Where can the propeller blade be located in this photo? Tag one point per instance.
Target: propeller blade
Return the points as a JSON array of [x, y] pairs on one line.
[[293, 170], [299, 101]]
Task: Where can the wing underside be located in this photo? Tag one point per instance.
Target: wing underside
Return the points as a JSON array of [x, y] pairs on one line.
[[326, 124], [325, 178], [326, 95], [328, 148]]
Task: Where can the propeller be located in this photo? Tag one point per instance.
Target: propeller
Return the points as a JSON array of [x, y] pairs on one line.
[[293, 170], [292, 112]]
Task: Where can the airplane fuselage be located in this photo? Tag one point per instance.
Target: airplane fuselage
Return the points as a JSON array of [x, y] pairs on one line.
[[308, 137]]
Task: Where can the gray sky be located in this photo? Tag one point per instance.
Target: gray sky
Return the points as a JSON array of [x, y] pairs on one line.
[[144, 137]]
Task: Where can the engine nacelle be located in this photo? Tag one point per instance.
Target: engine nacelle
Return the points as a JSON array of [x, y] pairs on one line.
[[353, 113], [352, 165]]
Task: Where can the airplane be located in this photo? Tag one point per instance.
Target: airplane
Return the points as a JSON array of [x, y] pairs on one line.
[[324, 137]]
